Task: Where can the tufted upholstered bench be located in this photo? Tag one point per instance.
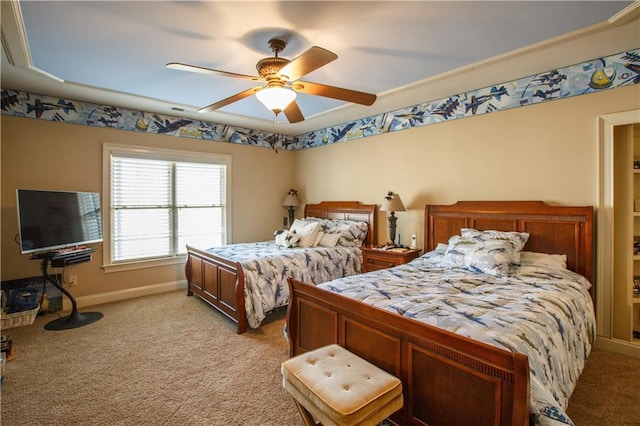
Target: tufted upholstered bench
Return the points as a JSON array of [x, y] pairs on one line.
[[337, 387]]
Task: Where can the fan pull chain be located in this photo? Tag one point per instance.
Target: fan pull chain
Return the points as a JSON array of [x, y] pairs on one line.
[[274, 140]]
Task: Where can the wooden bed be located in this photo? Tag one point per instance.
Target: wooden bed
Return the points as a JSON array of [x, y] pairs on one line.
[[447, 378], [220, 281]]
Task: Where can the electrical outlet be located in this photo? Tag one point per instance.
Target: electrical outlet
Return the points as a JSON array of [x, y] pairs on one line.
[[284, 221], [73, 280]]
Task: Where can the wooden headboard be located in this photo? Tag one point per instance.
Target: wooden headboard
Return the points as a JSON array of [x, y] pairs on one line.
[[349, 210], [553, 229]]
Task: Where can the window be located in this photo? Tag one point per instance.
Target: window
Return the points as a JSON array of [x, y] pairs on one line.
[[161, 200]]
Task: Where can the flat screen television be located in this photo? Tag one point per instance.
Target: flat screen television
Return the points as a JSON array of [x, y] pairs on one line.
[[53, 220]]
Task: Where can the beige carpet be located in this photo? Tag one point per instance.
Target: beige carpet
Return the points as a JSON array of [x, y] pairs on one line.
[[608, 391], [172, 360], [161, 360]]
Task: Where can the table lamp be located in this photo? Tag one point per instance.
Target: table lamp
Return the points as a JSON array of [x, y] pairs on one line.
[[392, 203], [290, 201]]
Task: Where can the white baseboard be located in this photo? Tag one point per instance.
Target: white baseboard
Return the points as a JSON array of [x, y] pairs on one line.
[[130, 293], [621, 347]]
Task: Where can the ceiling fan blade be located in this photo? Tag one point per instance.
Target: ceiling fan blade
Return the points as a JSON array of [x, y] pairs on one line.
[[293, 113], [310, 60], [202, 70], [230, 100], [334, 92]]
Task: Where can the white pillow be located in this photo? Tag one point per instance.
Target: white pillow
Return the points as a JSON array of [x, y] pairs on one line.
[[517, 239], [492, 260], [329, 240], [306, 231], [351, 233], [434, 257], [318, 238], [555, 261], [298, 223], [474, 254]]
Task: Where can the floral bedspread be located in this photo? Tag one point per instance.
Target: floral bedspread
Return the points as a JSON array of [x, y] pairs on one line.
[[267, 267], [543, 312]]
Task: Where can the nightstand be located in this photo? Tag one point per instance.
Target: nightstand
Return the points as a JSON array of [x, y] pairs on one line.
[[374, 259]]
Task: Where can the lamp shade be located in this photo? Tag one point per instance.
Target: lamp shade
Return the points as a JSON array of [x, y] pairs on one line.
[[276, 98], [392, 203], [290, 200]]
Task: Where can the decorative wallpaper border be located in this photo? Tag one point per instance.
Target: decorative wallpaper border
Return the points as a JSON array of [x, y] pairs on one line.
[[621, 69]]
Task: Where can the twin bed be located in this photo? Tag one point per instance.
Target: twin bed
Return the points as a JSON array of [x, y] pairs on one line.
[[246, 281], [474, 340]]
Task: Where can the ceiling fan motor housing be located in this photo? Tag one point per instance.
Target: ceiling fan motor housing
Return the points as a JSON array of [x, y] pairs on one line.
[[270, 66]]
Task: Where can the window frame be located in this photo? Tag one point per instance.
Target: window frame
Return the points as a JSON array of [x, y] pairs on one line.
[[160, 154]]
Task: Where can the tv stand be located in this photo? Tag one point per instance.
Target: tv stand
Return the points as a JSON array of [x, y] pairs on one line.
[[75, 319]]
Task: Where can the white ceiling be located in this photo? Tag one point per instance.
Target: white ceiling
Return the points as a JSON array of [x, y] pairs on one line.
[[114, 52]]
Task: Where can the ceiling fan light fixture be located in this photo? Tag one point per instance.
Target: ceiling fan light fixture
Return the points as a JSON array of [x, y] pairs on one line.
[[276, 99]]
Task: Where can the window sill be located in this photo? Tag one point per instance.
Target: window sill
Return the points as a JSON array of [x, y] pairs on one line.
[[143, 264]]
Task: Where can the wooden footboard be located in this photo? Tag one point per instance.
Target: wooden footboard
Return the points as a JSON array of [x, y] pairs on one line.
[[219, 281], [447, 379]]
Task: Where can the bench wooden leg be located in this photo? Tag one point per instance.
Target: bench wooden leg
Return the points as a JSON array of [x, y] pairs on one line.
[[306, 415]]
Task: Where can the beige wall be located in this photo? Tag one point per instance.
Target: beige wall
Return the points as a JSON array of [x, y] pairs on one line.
[[543, 152], [39, 154]]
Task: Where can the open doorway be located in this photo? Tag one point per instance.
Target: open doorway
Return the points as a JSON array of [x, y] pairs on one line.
[[611, 234]]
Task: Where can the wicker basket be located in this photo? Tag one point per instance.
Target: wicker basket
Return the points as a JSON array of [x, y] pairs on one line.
[[18, 319]]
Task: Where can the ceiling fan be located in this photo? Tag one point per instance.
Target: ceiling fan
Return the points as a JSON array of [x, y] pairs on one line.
[[282, 81]]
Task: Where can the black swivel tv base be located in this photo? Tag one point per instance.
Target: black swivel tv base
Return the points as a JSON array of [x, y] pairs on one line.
[[75, 319]]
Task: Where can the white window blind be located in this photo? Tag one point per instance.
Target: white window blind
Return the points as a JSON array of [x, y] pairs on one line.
[[158, 205]]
